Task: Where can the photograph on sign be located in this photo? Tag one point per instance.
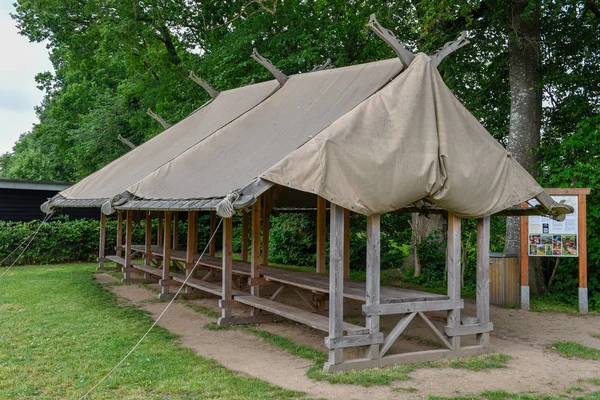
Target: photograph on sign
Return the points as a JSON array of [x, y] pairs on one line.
[[548, 237]]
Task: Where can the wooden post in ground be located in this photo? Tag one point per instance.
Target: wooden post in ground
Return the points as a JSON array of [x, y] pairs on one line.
[[102, 243], [191, 245], [266, 225], [148, 241], [159, 235], [453, 265], [175, 230], [582, 236], [212, 245], [524, 260], [166, 271], [226, 298], [336, 281], [119, 248], [346, 244], [321, 234], [244, 236], [373, 278], [483, 278], [255, 262], [128, 238]]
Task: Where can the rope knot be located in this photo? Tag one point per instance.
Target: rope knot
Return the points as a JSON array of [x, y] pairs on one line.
[[225, 207]]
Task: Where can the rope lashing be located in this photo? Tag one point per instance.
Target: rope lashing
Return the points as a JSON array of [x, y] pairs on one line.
[[225, 207]]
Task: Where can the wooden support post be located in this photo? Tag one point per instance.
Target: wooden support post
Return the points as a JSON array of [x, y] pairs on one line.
[[321, 233], [524, 260], [346, 244], [191, 245], [159, 235], [148, 240], [453, 266], [119, 249], [266, 224], [255, 263], [582, 238], [336, 282], [128, 238], [166, 270], [102, 243], [227, 272], [373, 278], [175, 230], [212, 246], [245, 236], [483, 278]]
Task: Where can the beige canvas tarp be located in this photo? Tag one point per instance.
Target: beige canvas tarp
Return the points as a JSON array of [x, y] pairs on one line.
[[117, 176], [324, 133], [412, 140], [235, 155]]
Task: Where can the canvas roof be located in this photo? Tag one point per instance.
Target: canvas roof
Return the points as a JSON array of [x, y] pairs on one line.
[[352, 138], [117, 176]]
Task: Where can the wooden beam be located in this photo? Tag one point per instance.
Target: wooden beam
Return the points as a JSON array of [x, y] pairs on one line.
[[321, 234], [582, 238], [255, 262], [396, 332], [373, 283], [176, 230], [346, 243], [453, 266], [159, 235], [336, 281], [148, 239], [412, 306], [191, 245], [212, 245], [245, 224], [128, 238], [524, 260], [166, 270], [227, 270], [483, 277], [355, 341], [102, 243], [266, 225], [119, 249]]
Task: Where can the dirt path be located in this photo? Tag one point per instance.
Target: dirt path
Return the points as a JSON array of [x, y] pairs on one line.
[[522, 335]]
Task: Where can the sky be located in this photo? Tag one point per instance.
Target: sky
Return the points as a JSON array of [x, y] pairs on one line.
[[20, 61]]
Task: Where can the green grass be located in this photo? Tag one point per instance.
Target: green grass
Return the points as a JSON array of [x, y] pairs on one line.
[[61, 332], [573, 349], [594, 381], [369, 377], [595, 335]]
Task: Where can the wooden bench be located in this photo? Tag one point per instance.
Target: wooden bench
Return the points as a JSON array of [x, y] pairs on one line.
[[209, 287], [313, 320], [116, 259], [147, 269]]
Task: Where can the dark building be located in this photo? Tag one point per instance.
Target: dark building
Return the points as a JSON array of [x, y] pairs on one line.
[[20, 200]]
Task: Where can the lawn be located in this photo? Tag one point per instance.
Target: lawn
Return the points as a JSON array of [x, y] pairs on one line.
[[61, 332]]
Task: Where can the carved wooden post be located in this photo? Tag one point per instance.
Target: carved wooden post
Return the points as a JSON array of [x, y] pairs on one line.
[[266, 225], [373, 278], [336, 281], [226, 298], [148, 243], [191, 246], [255, 262], [102, 243], [346, 244], [483, 278], [119, 248], [166, 271], [175, 230], [453, 265], [244, 236], [128, 238], [212, 246], [159, 235]]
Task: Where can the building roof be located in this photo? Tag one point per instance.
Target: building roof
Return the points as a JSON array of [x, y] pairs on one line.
[[27, 184]]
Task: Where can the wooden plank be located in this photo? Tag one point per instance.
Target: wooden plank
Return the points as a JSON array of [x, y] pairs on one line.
[[304, 317], [373, 295], [175, 230], [102, 244], [524, 257], [395, 333], [119, 247], [245, 235], [255, 255], [266, 225], [453, 266], [559, 191], [355, 341], [483, 276], [227, 266], [409, 307], [191, 245], [336, 280], [148, 269], [212, 245], [321, 234], [208, 287], [116, 259], [346, 243], [128, 238], [582, 238], [164, 291]]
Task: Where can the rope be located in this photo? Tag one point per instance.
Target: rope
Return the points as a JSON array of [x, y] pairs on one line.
[[159, 317], [30, 239], [225, 207]]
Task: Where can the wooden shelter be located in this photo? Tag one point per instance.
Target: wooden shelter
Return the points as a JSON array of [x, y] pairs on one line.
[[372, 139]]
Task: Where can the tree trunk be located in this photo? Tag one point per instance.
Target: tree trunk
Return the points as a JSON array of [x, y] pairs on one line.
[[525, 72], [422, 226]]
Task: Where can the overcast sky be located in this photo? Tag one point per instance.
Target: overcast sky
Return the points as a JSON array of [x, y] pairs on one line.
[[19, 63]]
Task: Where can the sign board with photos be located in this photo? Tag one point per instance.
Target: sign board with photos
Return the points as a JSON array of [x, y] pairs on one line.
[[550, 238]]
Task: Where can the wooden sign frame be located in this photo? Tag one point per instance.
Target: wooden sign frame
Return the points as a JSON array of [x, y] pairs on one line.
[[581, 194]]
